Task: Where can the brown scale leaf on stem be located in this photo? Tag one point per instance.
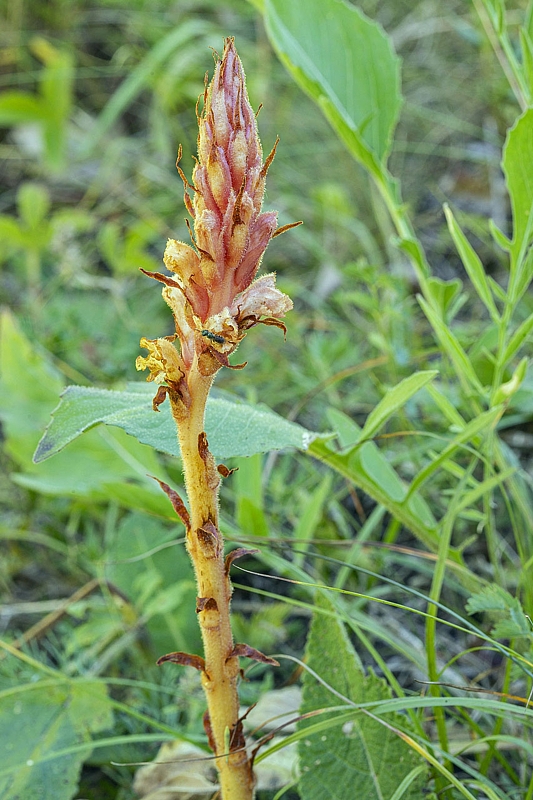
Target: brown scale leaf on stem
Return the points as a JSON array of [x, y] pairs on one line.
[[206, 604], [237, 740], [209, 539], [184, 660], [177, 503], [160, 397], [245, 651], [240, 552], [209, 731], [225, 471], [203, 446]]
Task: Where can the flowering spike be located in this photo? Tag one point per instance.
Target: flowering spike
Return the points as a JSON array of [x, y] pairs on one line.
[[212, 286]]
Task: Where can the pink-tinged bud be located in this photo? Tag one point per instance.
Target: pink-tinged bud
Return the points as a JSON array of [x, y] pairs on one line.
[[211, 292], [229, 183]]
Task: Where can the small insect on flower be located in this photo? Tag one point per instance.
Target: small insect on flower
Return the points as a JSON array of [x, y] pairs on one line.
[[213, 336]]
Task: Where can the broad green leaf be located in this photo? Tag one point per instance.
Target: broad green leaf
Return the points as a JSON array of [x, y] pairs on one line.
[[29, 387], [11, 236], [517, 156], [449, 343], [472, 264], [233, 428], [395, 399], [36, 721], [56, 79], [346, 63], [360, 757], [146, 560]]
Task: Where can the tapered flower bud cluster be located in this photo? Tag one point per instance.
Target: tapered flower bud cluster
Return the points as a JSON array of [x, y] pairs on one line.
[[211, 290]]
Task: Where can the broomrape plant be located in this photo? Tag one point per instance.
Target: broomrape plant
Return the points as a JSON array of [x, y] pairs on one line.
[[444, 472], [215, 301]]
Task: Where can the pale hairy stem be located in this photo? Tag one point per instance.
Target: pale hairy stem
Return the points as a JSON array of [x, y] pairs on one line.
[[205, 546]]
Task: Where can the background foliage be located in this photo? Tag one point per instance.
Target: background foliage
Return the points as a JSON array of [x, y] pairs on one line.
[[409, 342]]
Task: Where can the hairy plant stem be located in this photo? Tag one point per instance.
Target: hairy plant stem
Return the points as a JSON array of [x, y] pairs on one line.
[[205, 547]]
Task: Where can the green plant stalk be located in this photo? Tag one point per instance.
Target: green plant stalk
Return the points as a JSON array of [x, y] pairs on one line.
[[529, 795], [480, 734], [489, 755], [499, 367], [431, 625], [205, 546], [490, 530], [504, 51]]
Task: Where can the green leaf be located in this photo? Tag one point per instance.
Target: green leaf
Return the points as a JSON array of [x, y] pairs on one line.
[[56, 79], [499, 237], [484, 422], [465, 370], [486, 487], [29, 387], [141, 553], [233, 428], [494, 599], [33, 202], [524, 275], [491, 598], [517, 339], [446, 295], [517, 155], [362, 756], [11, 235], [526, 45], [309, 516], [446, 406], [249, 496], [17, 108], [346, 64], [394, 399], [366, 467], [35, 722], [505, 391], [472, 264]]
